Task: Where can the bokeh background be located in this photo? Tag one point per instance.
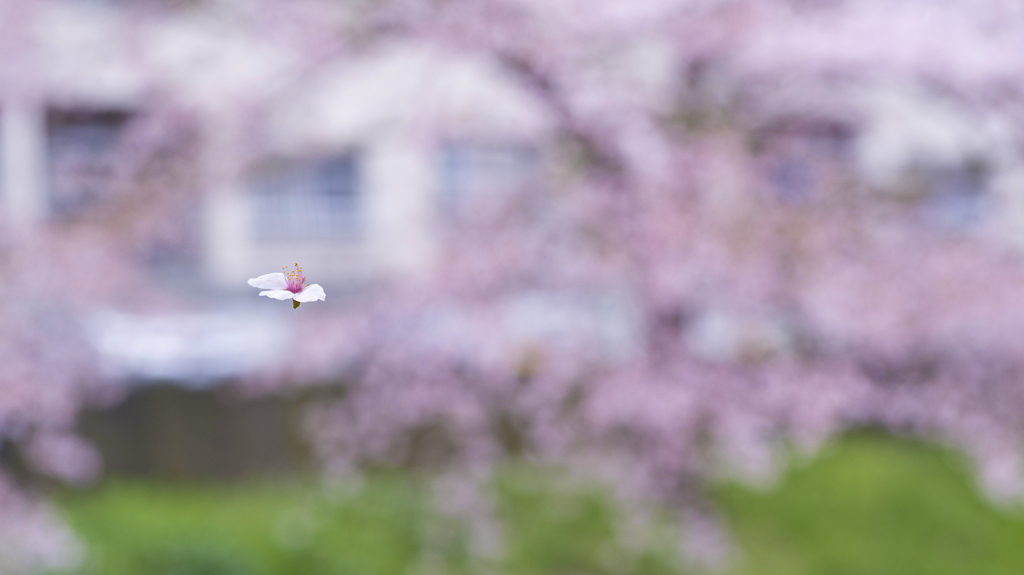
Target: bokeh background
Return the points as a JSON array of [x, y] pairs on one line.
[[646, 287]]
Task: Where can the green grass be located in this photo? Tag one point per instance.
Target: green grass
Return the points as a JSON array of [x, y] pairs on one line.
[[551, 529], [869, 504], [872, 504], [135, 528], [147, 528]]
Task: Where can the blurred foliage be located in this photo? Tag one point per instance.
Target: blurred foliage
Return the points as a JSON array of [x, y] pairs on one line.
[[378, 527], [868, 503], [260, 529], [552, 525], [874, 504]]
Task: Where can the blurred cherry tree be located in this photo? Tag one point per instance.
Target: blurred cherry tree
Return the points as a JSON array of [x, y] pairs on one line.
[[727, 257], [720, 195]]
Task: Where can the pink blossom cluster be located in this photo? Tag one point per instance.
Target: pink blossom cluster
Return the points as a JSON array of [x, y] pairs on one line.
[[32, 538], [49, 372], [58, 272], [843, 309]]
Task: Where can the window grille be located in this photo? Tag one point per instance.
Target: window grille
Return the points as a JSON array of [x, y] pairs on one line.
[[956, 196], [82, 152], [474, 172], [309, 200]]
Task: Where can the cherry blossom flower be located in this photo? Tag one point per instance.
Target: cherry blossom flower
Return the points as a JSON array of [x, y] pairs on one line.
[[288, 285]]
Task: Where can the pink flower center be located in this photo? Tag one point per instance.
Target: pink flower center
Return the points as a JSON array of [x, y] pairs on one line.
[[296, 281]]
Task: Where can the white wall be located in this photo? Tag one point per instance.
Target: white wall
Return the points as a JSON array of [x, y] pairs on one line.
[[23, 157]]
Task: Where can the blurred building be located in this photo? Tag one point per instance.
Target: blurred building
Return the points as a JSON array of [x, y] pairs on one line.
[[954, 164], [350, 163], [345, 163]]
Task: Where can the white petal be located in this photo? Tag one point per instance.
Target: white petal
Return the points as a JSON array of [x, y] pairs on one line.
[[269, 281], [278, 294], [311, 293]]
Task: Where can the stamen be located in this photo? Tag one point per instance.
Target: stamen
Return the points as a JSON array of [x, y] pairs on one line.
[[294, 278]]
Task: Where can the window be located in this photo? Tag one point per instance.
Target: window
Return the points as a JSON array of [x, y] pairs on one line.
[[314, 199], [470, 172], [955, 195], [793, 178], [82, 152], [803, 159]]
